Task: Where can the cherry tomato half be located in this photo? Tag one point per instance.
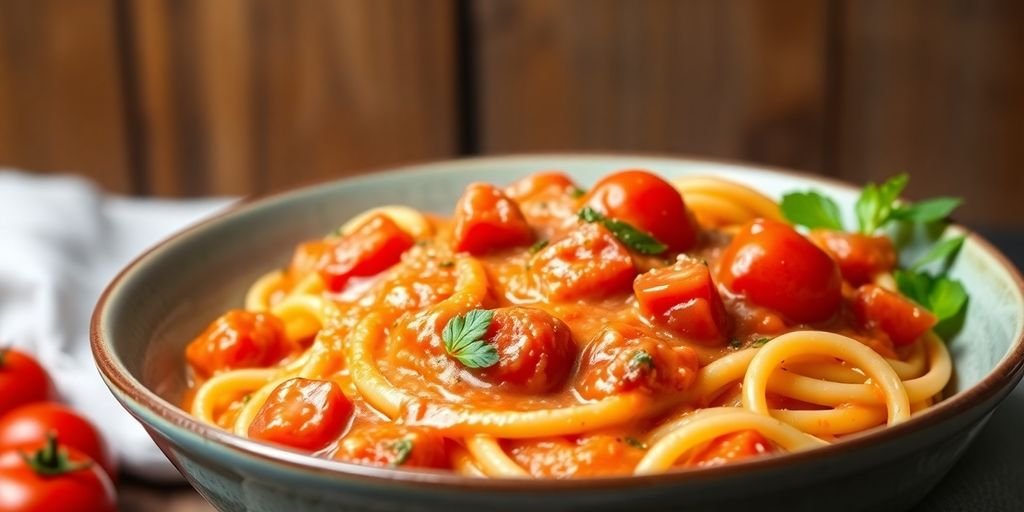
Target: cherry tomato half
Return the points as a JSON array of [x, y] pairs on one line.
[[22, 380], [238, 339], [648, 203], [776, 267], [899, 317], [486, 219], [859, 256], [394, 445], [683, 298], [374, 246], [53, 478], [731, 447], [303, 413], [31, 424]]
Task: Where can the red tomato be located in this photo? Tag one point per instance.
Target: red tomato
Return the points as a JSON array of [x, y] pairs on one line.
[[394, 445], [899, 317], [587, 262], [29, 425], [624, 358], [859, 256], [22, 380], [372, 248], [53, 478], [536, 351], [648, 203], [731, 447], [486, 219], [776, 267], [683, 298], [540, 182], [303, 413], [238, 339]]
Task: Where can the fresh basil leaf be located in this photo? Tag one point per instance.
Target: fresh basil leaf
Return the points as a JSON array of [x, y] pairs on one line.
[[641, 359], [630, 236], [812, 210], [867, 208], [929, 210], [914, 285], [403, 449], [877, 202], [943, 251], [946, 298], [536, 247], [635, 443]]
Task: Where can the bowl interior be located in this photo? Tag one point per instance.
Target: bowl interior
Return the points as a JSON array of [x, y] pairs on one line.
[[178, 288]]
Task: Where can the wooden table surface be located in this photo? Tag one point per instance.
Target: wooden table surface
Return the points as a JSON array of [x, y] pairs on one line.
[[137, 496]]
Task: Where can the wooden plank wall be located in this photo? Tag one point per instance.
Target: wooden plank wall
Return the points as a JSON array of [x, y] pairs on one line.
[[192, 97]]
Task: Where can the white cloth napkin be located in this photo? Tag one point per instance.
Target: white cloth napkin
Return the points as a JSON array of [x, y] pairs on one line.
[[61, 241]]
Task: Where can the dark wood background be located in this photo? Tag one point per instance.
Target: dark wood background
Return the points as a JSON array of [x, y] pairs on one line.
[[193, 97]]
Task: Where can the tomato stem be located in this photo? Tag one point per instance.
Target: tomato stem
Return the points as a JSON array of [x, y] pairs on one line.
[[52, 459]]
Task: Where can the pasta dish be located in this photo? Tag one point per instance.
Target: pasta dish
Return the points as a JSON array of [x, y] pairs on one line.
[[548, 331]]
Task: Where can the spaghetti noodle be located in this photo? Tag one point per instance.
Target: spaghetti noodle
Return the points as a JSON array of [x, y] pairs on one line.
[[545, 331]]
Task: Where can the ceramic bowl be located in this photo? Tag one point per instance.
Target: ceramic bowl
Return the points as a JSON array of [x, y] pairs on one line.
[[157, 304]]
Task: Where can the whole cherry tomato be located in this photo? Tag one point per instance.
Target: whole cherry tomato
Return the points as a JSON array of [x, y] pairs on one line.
[[303, 413], [31, 424], [536, 352], [776, 267], [648, 203], [53, 478], [238, 339], [22, 380]]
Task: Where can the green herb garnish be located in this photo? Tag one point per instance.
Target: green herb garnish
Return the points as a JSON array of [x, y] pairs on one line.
[[403, 449], [735, 343], [576, 192], [463, 339], [760, 342], [537, 246], [635, 443], [944, 251], [811, 209], [446, 264], [641, 359], [632, 237]]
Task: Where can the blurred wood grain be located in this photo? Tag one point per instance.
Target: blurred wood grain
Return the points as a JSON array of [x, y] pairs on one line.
[[934, 88], [741, 79], [61, 94], [242, 96], [193, 97]]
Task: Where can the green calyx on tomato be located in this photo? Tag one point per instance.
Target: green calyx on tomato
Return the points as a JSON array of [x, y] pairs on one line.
[[52, 460]]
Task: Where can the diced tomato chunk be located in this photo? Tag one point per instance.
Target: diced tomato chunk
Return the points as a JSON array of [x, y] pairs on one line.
[[683, 298], [773, 266], [899, 317], [372, 248], [624, 358], [731, 447], [587, 262], [540, 182], [486, 219], [648, 203], [309, 257], [860, 257], [394, 445], [238, 339], [536, 352], [303, 413]]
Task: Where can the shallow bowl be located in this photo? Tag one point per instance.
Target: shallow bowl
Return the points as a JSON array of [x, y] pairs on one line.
[[158, 303]]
